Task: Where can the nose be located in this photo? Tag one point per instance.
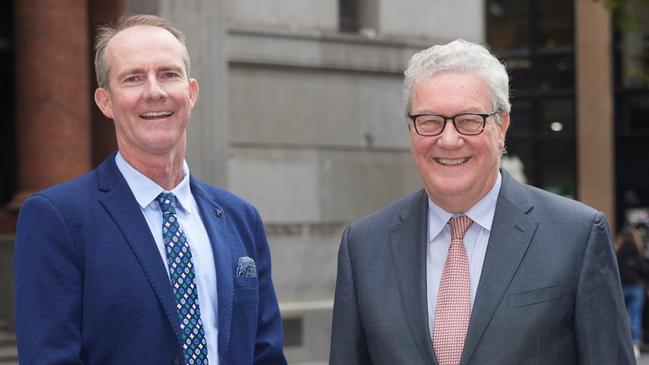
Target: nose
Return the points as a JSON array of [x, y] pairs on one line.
[[450, 138], [154, 90]]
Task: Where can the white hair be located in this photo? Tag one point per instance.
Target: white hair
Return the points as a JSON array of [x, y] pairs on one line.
[[459, 56]]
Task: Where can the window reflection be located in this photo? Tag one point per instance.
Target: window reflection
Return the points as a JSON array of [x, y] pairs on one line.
[[535, 40]]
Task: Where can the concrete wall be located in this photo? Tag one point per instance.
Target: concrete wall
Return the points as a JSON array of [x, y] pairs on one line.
[[317, 14], [317, 140]]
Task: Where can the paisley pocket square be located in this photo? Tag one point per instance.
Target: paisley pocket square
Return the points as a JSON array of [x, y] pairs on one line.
[[246, 268]]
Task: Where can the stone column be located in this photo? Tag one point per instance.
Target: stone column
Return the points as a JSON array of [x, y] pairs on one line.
[[595, 138], [52, 100], [203, 22]]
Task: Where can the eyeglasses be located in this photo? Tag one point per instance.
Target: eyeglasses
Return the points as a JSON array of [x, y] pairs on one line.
[[467, 124]]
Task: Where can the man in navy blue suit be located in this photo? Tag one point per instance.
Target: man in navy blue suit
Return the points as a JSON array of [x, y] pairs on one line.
[[96, 282]]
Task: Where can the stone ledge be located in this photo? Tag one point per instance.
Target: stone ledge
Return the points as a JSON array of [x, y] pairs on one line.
[[304, 229], [321, 49]]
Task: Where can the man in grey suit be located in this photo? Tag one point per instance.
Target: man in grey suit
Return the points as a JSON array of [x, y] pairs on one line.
[[533, 280]]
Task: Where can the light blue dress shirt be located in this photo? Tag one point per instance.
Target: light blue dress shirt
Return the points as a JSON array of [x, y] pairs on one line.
[[145, 191], [475, 241]]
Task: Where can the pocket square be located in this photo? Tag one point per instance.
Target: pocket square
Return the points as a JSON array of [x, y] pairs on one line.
[[246, 268]]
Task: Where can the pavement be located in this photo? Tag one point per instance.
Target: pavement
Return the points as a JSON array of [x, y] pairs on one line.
[[644, 359]]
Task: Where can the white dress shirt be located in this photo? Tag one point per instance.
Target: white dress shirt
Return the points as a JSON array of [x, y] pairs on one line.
[[145, 191], [475, 241]]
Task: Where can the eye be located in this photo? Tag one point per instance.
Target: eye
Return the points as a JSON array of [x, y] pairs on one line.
[[429, 120], [170, 74], [468, 119], [132, 78]]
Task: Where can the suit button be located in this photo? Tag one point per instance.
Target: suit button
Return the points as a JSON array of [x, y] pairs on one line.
[[175, 361]]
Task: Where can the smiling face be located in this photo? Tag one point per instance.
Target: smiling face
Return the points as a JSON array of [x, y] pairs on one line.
[[150, 96], [457, 170]]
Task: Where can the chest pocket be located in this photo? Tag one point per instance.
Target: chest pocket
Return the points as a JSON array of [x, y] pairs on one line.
[[536, 296]]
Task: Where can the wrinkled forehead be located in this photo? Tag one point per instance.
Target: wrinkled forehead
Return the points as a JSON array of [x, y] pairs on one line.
[[478, 79]]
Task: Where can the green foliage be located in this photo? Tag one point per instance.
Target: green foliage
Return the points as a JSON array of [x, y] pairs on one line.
[[628, 17], [626, 14]]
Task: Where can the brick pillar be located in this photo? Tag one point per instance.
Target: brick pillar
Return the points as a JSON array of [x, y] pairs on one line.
[[101, 12], [52, 99], [595, 148]]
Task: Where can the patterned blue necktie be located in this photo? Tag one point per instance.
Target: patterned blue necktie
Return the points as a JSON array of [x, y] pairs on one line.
[[181, 270]]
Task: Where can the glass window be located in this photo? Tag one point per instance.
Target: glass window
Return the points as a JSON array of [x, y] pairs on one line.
[[557, 161], [348, 15], [508, 24], [520, 160], [555, 71], [521, 76], [556, 24], [631, 69], [633, 112], [535, 40], [521, 122], [557, 117]]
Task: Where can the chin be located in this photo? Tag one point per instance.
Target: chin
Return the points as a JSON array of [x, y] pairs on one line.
[[449, 187]]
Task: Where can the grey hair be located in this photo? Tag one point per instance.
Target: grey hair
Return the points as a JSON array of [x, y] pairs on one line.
[[459, 56], [106, 32]]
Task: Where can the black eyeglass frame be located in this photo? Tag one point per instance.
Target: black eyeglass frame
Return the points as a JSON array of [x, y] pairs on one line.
[[484, 116]]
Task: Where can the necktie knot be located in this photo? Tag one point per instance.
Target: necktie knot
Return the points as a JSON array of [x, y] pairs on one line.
[[459, 226], [167, 202]]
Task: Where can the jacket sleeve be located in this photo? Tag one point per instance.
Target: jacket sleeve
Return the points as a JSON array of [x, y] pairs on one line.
[[601, 322], [48, 287], [269, 342], [348, 346]]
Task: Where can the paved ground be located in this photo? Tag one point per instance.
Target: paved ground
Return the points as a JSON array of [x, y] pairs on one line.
[[644, 359]]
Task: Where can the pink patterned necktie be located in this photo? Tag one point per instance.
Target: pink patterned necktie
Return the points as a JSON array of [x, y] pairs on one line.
[[453, 308]]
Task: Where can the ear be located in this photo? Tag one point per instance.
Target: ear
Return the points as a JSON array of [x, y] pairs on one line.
[[193, 91], [102, 99], [502, 129]]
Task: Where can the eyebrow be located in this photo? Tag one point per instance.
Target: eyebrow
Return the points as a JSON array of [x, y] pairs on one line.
[[140, 70], [463, 111], [171, 68]]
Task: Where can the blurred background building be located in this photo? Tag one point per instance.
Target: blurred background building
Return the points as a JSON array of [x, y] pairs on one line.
[[300, 113]]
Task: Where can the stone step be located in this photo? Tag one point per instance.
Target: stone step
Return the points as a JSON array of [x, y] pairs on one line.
[[8, 350], [7, 339], [8, 355]]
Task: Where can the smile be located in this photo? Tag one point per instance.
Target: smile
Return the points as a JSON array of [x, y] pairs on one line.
[[156, 115], [451, 162]]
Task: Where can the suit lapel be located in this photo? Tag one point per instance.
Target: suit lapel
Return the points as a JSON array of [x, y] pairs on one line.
[[215, 221], [511, 233], [121, 205], [408, 245]]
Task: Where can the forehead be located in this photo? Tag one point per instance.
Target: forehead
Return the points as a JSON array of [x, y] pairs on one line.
[[463, 90], [143, 45]]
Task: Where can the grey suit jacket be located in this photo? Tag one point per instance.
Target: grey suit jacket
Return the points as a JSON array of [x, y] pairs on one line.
[[549, 292]]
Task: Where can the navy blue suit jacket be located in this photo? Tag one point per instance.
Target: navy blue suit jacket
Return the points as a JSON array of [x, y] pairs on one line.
[[92, 288]]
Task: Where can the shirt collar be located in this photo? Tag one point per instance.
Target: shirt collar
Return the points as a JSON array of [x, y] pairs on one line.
[[481, 213], [146, 190]]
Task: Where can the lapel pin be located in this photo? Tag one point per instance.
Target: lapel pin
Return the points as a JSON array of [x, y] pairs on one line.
[[219, 212]]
